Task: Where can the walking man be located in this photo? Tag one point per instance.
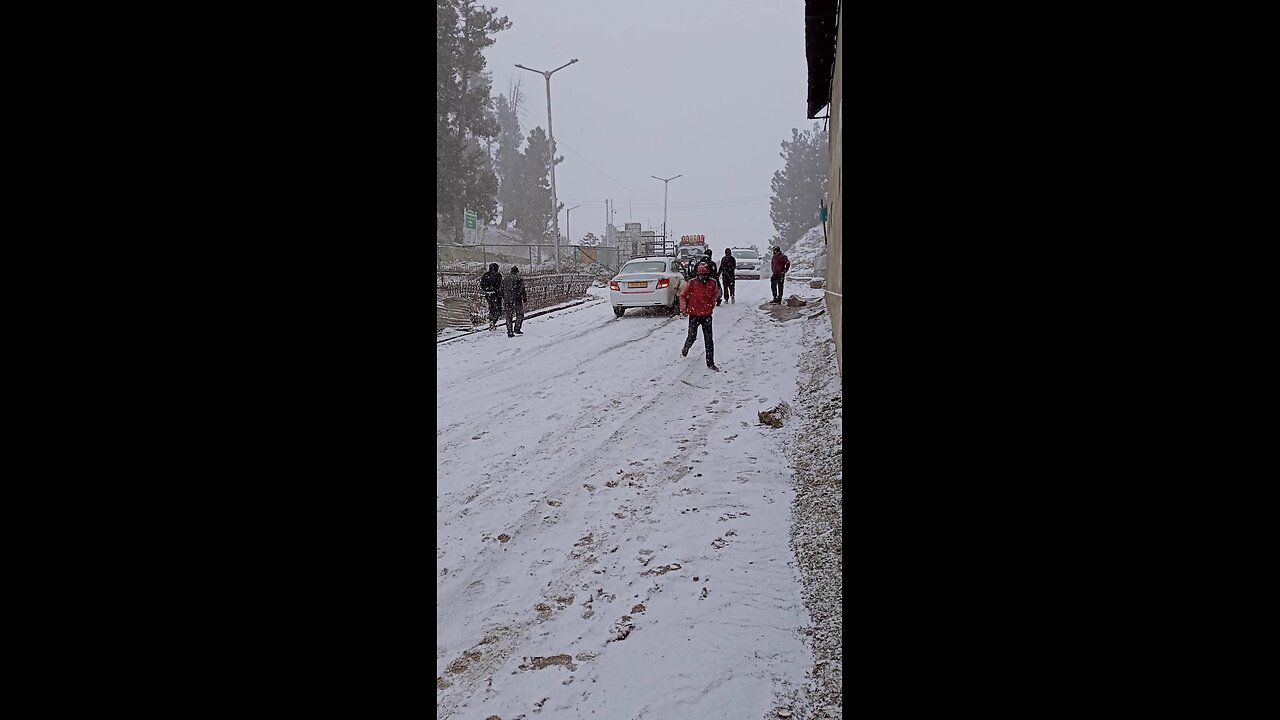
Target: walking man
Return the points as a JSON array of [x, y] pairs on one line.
[[491, 284], [715, 271], [711, 263], [513, 299], [728, 266], [780, 267], [698, 299]]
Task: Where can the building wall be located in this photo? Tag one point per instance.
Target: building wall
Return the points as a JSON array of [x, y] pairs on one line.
[[835, 236]]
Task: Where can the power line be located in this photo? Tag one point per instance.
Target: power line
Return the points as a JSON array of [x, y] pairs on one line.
[[732, 206], [727, 207], [741, 201], [727, 202], [700, 202], [584, 159]]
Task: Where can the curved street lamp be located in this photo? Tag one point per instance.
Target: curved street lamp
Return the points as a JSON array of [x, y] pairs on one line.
[[665, 182], [551, 137]]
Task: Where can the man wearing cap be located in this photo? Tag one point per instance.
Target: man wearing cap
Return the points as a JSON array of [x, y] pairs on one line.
[[780, 267], [698, 299], [514, 297]]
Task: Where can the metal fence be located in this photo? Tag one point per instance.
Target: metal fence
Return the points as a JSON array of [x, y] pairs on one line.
[[461, 303], [469, 262]]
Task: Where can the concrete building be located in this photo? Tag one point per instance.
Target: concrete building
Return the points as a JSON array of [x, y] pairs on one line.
[[629, 242], [823, 42]]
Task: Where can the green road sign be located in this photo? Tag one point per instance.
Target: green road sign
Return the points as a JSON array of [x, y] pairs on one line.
[[471, 219]]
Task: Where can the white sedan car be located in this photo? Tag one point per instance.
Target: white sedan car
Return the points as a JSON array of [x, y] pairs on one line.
[[750, 264], [652, 282]]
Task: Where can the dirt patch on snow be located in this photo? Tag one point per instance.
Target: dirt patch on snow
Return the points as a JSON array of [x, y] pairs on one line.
[[538, 663], [461, 664], [782, 313], [661, 569], [785, 312]]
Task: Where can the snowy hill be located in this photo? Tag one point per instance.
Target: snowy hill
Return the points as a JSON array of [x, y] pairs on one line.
[[806, 251]]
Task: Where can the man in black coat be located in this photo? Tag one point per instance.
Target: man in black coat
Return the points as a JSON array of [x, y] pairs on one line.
[[513, 299], [715, 271], [491, 284], [728, 267]]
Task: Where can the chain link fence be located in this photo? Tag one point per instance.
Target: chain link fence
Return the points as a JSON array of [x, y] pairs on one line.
[[461, 303], [469, 262]]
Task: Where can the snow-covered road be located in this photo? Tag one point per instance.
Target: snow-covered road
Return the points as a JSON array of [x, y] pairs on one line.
[[612, 520]]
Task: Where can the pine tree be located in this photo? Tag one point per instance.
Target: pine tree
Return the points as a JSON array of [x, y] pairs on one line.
[[799, 186], [531, 199], [464, 112], [507, 111]]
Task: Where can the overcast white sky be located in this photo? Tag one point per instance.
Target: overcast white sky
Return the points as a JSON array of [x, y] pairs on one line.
[[704, 88]]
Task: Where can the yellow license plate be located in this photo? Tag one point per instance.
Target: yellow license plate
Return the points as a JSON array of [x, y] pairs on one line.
[[637, 284]]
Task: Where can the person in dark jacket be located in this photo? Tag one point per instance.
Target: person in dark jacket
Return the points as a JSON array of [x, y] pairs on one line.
[[513, 299], [715, 271], [711, 263], [698, 299], [780, 267], [491, 284], [728, 267]]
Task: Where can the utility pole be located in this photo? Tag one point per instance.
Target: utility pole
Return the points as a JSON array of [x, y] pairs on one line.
[[665, 183], [551, 137]]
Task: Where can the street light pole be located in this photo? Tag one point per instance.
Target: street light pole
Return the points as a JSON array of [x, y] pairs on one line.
[[567, 235], [551, 138], [665, 182]]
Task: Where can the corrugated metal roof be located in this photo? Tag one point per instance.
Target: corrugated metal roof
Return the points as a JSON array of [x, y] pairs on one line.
[[820, 18]]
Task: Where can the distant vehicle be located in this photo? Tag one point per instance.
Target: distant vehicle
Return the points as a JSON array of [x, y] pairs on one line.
[[647, 282], [749, 263], [691, 247]]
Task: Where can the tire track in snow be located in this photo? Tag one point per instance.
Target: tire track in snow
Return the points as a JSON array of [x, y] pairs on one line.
[[500, 627], [498, 647], [504, 393], [569, 578]]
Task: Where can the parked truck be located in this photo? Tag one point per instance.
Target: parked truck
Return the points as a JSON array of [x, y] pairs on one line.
[[690, 248]]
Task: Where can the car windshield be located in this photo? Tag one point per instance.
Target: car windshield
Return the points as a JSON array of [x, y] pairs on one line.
[[746, 255], [643, 267]]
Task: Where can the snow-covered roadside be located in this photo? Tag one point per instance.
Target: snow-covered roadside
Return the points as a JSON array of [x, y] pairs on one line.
[[613, 522], [804, 253], [816, 535]]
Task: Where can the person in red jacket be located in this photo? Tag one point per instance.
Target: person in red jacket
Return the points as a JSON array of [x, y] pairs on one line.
[[780, 267], [697, 300]]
